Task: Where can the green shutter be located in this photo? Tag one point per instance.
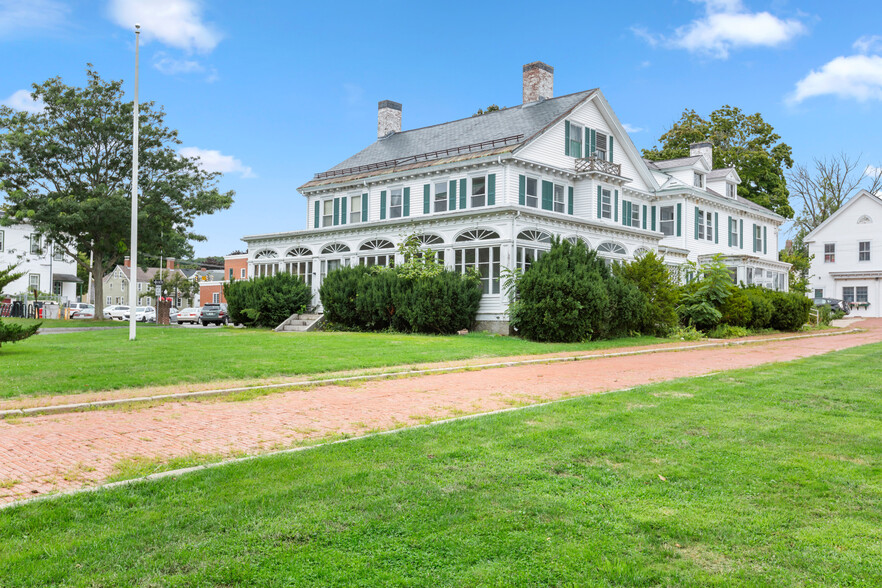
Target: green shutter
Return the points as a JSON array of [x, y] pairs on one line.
[[522, 190], [462, 193], [547, 195], [599, 199], [626, 213], [406, 202], [318, 207], [610, 148], [730, 232], [383, 205], [452, 195], [336, 211], [427, 195], [653, 218], [765, 239], [587, 142], [696, 222], [716, 227], [753, 237], [616, 207], [566, 137], [491, 189], [343, 210], [643, 216], [679, 217], [593, 141], [570, 200], [364, 208], [741, 233]]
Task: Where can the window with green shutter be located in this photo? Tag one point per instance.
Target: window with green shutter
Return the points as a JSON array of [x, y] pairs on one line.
[[336, 211], [547, 195], [575, 140], [364, 208], [644, 215], [679, 218], [407, 202], [383, 205], [355, 206], [462, 194], [452, 194], [569, 200], [396, 202], [626, 213], [616, 207], [441, 196], [491, 189], [427, 197], [522, 190], [343, 210], [318, 212]]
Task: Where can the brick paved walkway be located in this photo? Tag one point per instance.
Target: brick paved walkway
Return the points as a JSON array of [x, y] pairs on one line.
[[62, 452]]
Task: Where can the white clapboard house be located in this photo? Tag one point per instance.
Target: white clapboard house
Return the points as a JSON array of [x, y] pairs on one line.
[[489, 191], [847, 250]]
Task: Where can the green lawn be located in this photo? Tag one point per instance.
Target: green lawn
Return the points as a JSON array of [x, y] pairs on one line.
[[64, 363], [766, 477], [66, 324]]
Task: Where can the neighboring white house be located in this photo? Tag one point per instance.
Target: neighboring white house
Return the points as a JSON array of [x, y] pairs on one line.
[[847, 249], [490, 191], [46, 268]]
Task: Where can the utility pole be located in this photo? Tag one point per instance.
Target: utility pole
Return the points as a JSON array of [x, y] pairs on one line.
[[133, 269]]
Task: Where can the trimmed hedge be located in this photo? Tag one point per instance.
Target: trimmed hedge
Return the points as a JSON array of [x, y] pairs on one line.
[[377, 299], [266, 302]]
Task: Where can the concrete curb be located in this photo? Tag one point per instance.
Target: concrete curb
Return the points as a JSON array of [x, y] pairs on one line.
[[82, 406]]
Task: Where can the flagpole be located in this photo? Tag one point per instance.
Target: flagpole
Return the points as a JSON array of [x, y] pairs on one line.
[[133, 268]]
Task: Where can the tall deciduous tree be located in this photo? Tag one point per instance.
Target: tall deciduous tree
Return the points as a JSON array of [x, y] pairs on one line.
[[745, 142], [67, 170]]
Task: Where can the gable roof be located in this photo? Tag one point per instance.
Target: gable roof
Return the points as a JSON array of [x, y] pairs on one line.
[[672, 163], [494, 132], [143, 275], [848, 203]]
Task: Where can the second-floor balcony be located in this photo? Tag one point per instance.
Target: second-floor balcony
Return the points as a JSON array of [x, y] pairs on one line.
[[595, 164]]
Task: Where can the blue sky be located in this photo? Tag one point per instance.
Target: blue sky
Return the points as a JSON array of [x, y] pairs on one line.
[[271, 92]]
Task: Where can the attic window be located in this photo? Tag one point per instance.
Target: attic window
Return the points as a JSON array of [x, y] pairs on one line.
[[698, 180], [600, 146], [730, 190]]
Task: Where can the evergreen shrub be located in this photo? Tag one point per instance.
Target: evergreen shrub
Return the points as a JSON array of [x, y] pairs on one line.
[[268, 301], [649, 273], [737, 309], [791, 310], [338, 293], [761, 308]]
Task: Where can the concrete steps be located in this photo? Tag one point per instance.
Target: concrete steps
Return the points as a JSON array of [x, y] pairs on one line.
[[300, 323]]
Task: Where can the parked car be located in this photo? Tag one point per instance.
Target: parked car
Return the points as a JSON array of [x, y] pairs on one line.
[[214, 313], [172, 315], [834, 304], [188, 315], [82, 310], [143, 314], [116, 312]]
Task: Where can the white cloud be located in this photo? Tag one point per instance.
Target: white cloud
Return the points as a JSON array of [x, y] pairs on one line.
[[177, 23], [21, 100], [727, 25], [17, 16], [169, 65], [631, 128], [873, 171], [856, 76], [868, 44], [215, 161]]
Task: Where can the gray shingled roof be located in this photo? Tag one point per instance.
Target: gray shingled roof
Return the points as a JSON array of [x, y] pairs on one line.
[[669, 163], [526, 119], [719, 173]]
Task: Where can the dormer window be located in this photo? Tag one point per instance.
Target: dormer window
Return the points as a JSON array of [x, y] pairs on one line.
[[698, 180], [731, 190]]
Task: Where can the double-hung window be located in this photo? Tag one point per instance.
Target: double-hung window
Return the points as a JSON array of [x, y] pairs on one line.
[[600, 146], [730, 190], [848, 294], [559, 204], [355, 209], [698, 180], [34, 282], [479, 191], [243, 272], [532, 192], [829, 252], [864, 251], [441, 196], [758, 237], [705, 224], [575, 140], [35, 244], [861, 294], [605, 203], [396, 202], [635, 214], [666, 214], [733, 232], [327, 213]]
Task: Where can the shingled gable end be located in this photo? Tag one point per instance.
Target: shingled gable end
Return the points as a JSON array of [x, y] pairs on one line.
[[490, 191]]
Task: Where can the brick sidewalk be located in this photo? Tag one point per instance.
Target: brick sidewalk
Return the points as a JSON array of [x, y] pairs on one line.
[[54, 453]]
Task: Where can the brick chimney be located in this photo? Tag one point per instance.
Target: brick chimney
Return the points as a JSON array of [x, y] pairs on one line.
[[538, 82], [128, 261], [170, 263], [388, 118], [705, 149]]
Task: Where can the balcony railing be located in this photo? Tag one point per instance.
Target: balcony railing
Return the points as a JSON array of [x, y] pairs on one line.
[[595, 164]]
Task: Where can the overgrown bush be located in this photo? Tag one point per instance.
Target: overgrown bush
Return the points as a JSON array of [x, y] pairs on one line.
[[702, 298], [374, 302], [725, 331], [338, 293], [737, 309], [761, 307], [443, 303], [791, 310], [650, 275], [268, 301], [627, 312]]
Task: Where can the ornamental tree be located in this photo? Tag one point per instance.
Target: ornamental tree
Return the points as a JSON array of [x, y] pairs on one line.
[[67, 170], [10, 333], [745, 142]]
